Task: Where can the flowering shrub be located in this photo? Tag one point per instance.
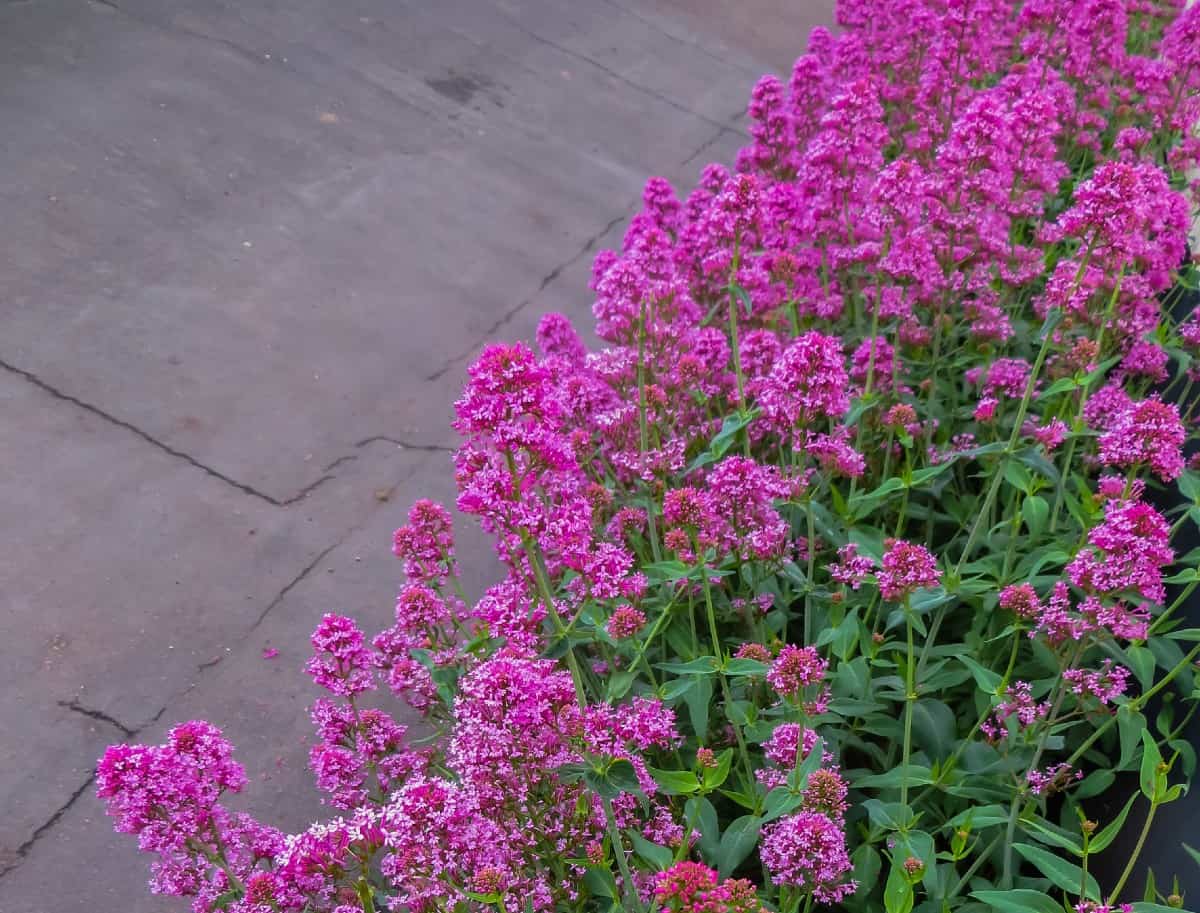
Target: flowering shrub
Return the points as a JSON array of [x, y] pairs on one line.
[[840, 576]]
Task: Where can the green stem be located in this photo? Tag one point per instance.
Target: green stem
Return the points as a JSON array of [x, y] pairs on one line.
[[533, 553], [1161, 619], [1009, 449], [910, 697], [1137, 851], [1061, 488], [1013, 812], [949, 763], [364, 896], [970, 873], [726, 694], [643, 427], [618, 846], [812, 555]]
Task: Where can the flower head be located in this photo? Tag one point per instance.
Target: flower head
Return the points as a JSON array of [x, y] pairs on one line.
[[808, 851], [906, 569]]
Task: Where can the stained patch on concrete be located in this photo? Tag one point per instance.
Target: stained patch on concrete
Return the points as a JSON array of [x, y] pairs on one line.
[[459, 87]]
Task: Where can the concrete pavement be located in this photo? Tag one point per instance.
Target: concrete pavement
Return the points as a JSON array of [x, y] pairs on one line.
[[249, 250]]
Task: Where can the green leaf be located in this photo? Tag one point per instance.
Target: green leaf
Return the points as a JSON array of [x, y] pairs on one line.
[[742, 667], [1094, 784], [897, 893], [1035, 459], [1187, 575], [1141, 661], [222, 901], [1062, 385], [1062, 874], [619, 777], [725, 438], [737, 843], [1193, 852], [667, 570], [715, 776], [658, 856], [601, 883], [675, 782], [921, 476], [599, 783], [798, 778], [1035, 511], [934, 728], [620, 682], [1017, 476], [979, 817], [1019, 900], [703, 665], [781, 801], [987, 680], [1130, 725], [917, 776], [624, 775], [1151, 780], [678, 687], [699, 812], [1054, 836], [699, 700], [1053, 318], [1106, 836], [867, 864], [1189, 484]]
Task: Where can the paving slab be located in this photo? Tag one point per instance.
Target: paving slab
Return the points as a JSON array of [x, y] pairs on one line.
[[249, 251]]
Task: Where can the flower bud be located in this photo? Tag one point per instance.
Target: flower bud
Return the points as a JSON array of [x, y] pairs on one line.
[[914, 869]]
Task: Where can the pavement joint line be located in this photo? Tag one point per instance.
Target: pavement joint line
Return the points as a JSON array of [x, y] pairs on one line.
[[304, 492], [153, 441], [291, 584], [22, 852], [172, 27], [620, 77], [694, 45], [517, 308], [708, 142], [76, 707], [590, 243], [403, 445]]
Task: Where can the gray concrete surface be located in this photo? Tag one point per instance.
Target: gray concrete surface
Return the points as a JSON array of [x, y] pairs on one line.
[[248, 249]]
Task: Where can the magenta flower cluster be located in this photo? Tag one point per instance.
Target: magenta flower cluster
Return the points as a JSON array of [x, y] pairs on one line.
[[838, 559]]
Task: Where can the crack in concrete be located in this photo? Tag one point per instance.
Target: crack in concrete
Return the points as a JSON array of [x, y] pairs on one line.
[[291, 584], [253, 492], [694, 45], [406, 445], [174, 27], [712, 139], [155, 442], [512, 312], [23, 850], [100, 715], [620, 77]]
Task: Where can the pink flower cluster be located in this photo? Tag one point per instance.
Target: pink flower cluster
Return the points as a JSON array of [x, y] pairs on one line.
[[837, 339], [808, 851], [689, 887], [906, 568]]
